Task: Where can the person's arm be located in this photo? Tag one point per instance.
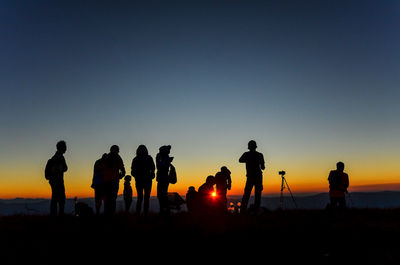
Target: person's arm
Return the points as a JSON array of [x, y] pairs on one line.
[[65, 167], [133, 167], [243, 159], [346, 181], [262, 162], [229, 182], [122, 168], [152, 167], [330, 177]]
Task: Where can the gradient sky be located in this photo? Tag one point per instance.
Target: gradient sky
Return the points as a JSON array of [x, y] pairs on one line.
[[313, 82]]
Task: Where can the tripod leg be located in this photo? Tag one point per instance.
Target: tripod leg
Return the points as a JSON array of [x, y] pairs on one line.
[[294, 201], [281, 198]]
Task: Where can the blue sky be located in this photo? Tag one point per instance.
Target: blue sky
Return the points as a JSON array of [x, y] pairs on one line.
[[310, 81]]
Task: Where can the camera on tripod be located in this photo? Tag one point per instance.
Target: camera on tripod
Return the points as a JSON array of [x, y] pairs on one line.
[[284, 185]]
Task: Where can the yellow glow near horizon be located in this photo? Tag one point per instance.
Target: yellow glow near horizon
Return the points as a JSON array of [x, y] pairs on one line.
[[302, 178]]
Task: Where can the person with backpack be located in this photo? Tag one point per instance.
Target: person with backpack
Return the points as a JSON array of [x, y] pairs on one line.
[[163, 163], [254, 165], [338, 185], [98, 182], [114, 171], [142, 170], [54, 173]]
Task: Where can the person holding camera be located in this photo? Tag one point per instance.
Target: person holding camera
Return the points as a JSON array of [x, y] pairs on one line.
[[254, 165], [163, 164]]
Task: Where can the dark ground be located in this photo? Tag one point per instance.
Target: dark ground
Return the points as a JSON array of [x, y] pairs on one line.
[[306, 236]]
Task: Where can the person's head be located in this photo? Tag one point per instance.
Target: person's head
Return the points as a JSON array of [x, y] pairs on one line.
[[114, 149], [104, 156], [165, 149], [127, 178], [210, 180], [61, 147], [224, 169], [252, 145], [142, 150], [191, 189], [340, 166]]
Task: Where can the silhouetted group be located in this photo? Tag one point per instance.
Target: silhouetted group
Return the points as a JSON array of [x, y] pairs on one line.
[[109, 170]]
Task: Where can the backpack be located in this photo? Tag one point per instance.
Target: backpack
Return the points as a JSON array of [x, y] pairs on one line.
[[172, 175], [48, 172]]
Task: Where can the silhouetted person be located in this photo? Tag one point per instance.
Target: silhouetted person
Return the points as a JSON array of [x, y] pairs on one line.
[[142, 170], [127, 192], [98, 182], [82, 209], [254, 166], [338, 184], [223, 184], [114, 171], [191, 200], [205, 194], [54, 173], [163, 163]]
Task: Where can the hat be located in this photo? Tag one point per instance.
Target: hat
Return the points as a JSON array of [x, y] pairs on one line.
[[165, 148]]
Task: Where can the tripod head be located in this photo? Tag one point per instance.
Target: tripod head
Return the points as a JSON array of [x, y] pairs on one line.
[[282, 173]]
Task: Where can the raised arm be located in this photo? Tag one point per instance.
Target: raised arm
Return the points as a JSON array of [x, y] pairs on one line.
[[243, 159]]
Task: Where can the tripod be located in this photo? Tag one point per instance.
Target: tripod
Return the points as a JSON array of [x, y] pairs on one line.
[[284, 184]]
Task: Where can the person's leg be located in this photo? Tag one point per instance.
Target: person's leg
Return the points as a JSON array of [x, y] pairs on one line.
[[108, 196], [147, 192], [257, 192], [342, 203], [115, 188], [334, 202], [53, 201], [139, 196], [128, 203], [246, 195], [61, 199], [162, 194]]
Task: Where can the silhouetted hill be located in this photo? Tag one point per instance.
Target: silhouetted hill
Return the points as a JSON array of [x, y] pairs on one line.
[[385, 199]]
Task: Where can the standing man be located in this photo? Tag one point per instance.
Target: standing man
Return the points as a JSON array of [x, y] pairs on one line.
[[338, 184], [54, 173], [254, 166], [114, 171]]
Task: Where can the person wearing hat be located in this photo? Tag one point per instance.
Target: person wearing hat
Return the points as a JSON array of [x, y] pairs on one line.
[[163, 164], [254, 165]]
